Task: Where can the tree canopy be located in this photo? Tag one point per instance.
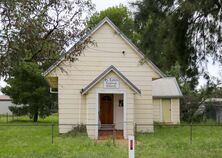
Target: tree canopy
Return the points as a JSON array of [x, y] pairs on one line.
[[182, 34], [29, 90], [40, 30], [33, 34], [120, 16]]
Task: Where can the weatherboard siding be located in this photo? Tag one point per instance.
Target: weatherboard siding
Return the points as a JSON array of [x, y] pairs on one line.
[[157, 110], [175, 110], [73, 76], [175, 104]]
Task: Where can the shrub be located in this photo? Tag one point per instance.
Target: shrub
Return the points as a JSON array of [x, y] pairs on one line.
[[77, 131]]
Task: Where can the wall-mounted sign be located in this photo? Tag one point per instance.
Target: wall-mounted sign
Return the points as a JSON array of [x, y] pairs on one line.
[[111, 83]]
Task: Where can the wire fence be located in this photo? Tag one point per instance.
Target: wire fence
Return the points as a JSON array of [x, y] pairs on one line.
[[188, 130], [187, 127], [8, 117]]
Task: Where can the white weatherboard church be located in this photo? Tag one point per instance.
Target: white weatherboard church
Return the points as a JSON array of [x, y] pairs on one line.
[[109, 85]]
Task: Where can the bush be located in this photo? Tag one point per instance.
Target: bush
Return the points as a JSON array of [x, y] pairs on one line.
[[19, 110], [77, 131]]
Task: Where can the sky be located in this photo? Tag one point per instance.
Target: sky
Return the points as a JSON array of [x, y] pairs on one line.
[[103, 4], [214, 69]]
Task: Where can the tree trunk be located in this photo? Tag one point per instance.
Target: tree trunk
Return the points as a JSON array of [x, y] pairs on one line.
[[35, 119]]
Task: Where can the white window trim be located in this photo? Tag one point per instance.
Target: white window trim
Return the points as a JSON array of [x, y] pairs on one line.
[[111, 91]]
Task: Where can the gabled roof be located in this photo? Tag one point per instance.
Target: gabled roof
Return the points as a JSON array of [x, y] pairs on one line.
[[104, 73], [108, 21], [166, 87]]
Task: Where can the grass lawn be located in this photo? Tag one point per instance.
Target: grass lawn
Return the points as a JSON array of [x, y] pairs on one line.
[[173, 142], [166, 142]]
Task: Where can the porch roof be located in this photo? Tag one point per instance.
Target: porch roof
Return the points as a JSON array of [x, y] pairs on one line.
[[103, 74]]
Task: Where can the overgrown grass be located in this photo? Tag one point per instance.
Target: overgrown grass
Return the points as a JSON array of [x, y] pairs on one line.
[[166, 142]]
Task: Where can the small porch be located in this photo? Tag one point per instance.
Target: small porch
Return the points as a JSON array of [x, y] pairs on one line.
[[109, 134], [111, 113], [110, 100]]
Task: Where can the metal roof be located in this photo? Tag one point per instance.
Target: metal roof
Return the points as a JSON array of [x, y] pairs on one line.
[[166, 87], [5, 98], [104, 73], [108, 21]]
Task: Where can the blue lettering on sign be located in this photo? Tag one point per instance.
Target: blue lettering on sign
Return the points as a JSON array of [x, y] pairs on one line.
[[111, 83]]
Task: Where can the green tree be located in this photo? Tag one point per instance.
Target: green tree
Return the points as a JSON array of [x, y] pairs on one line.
[[120, 16], [180, 32], [33, 34], [29, 89], [193, 99], [39, 31]]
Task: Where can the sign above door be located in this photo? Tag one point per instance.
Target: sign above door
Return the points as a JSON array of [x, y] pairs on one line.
[[111, 83]]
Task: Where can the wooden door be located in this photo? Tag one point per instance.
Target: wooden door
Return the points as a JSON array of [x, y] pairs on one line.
[[166, 107], [106, 108]]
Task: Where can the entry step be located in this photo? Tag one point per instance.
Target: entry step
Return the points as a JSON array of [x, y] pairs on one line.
[[106, 126]]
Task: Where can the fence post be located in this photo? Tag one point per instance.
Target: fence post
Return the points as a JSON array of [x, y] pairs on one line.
[[135, 130], [114, 134], [191, 132], [52, 133]]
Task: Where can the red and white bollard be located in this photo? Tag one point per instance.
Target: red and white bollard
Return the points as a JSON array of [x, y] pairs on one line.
[[131, 143]]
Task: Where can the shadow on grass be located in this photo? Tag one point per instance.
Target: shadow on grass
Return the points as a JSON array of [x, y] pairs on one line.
[[21, 121]]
